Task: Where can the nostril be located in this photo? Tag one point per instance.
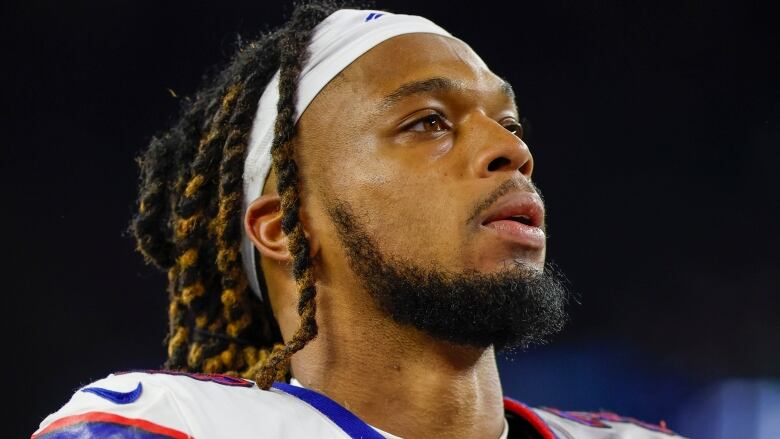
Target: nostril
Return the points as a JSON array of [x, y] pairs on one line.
[[498, 163], [527, 168]]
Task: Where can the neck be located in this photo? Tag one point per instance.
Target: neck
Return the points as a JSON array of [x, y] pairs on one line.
[[373, 366]]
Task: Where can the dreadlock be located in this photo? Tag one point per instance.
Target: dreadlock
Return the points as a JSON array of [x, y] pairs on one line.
[[188, 222]]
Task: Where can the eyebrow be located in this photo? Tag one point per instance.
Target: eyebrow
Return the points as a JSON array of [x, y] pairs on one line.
[[507, 89], [433, 85]]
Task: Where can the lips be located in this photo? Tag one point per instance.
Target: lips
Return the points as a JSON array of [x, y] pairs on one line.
[[518, 217]]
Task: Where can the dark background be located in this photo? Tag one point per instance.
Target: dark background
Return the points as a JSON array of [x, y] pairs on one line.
[[655, 131]]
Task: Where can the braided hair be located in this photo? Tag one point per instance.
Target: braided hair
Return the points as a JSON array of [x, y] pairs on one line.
[[188, 222]]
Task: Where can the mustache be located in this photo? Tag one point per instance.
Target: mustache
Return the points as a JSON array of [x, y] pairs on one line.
[[514, 184]]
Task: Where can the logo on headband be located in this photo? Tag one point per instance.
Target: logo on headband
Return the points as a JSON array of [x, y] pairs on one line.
[[373, 16]]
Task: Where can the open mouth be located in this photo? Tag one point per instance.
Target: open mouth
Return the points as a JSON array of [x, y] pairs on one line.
[[522, 219], [522, 207], [518, 218]]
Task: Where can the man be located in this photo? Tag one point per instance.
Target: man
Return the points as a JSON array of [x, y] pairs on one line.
[[376, 166]]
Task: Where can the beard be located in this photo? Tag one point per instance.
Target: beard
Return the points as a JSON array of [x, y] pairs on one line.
[[516, 307]]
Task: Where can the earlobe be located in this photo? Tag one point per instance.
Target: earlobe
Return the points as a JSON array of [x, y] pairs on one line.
[[263, 225]]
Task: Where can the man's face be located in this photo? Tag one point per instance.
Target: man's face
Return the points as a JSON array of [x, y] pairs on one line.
[[418, 167], [416, 148]]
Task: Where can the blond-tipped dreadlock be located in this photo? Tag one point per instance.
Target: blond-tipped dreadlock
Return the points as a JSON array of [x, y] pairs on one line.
[[189, 212]]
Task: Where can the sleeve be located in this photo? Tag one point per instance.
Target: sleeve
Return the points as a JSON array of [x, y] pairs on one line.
[[119, 406]]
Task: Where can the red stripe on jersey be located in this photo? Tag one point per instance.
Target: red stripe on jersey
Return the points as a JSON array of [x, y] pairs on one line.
[[113, 419], [530, 416]]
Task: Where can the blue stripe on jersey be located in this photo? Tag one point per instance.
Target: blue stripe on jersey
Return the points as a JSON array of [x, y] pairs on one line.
[[346, 420], [101, 429]]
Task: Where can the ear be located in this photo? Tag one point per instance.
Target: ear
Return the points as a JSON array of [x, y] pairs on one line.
[[263, 225]]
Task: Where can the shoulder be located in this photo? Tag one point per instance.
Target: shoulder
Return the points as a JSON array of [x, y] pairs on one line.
[[603, 425], [559, 424], [181, 405]]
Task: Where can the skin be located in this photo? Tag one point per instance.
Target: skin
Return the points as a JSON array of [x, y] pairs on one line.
[[414, 180]]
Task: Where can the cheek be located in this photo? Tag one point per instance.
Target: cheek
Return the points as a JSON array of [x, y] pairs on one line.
[[405, 201], [414, 219]]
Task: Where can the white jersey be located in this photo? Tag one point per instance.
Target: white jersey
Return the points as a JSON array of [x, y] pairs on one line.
[[164, 404]]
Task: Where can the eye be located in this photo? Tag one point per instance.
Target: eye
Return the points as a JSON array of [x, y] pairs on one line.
[[429, 123], [513, 127]]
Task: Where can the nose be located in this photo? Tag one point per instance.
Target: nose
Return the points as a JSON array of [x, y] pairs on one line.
[[498, 150]]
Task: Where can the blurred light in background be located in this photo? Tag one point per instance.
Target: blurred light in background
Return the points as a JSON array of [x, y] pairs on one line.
[[734, 409]]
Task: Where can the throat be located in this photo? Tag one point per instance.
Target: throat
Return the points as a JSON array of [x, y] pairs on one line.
[[431, 391]]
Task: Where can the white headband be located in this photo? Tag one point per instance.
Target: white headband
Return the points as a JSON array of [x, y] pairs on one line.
[[336, 42]]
